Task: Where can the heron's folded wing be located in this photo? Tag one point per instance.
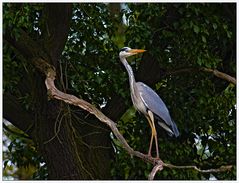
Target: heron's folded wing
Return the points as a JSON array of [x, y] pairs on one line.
[[155, 104]]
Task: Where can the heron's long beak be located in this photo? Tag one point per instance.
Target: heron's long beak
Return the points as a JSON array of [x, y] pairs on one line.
[[136, 51]]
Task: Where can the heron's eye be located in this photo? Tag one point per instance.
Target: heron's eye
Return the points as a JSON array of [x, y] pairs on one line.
[[126, 49]]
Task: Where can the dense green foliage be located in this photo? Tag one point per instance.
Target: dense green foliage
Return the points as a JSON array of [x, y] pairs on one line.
[[181, 38]]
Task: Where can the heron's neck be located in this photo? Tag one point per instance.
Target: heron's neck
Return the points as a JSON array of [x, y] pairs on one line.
[[130, 73]]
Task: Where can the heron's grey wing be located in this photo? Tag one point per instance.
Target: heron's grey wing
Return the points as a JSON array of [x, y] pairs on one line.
[[154, 103]]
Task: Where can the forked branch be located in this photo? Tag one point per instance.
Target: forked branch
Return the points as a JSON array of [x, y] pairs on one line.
[[54, 93]]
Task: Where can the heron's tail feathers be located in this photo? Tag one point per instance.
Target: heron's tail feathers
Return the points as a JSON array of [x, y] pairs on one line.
[[172, 130], [175, 129]]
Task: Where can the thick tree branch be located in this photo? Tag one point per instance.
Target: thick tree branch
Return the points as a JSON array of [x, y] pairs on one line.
[[53, 92], [215, 72], [25, 44]]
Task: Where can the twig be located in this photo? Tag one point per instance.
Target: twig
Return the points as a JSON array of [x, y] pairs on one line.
[[53, 92]]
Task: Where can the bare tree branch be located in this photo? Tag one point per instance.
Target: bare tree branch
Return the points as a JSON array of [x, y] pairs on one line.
[[160, 164], [53, 92], [220, 169], [220, 75], [213, 71]]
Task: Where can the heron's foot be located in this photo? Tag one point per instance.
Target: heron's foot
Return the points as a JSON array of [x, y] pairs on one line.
[[149, 155], [157, 158]]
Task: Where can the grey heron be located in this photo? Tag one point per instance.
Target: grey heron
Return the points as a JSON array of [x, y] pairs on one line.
[[147, 101]]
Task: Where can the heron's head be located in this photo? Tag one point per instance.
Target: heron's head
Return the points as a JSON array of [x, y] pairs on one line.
[[126, 52]]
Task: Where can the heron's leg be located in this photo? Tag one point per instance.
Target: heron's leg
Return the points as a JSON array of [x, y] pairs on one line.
[[154, 132], [152, 136]]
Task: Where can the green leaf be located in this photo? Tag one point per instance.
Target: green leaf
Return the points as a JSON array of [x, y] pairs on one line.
[[204, 39], [229, 34], [196, 29], [199, 61], [214, 26]]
